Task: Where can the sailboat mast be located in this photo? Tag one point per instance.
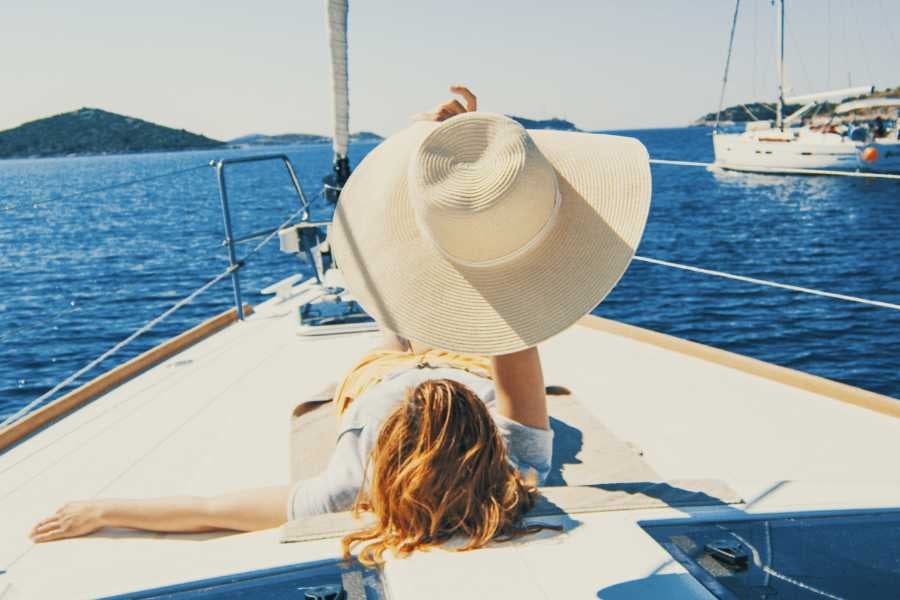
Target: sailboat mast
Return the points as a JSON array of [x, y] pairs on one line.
[[779, 57], [337, 40]]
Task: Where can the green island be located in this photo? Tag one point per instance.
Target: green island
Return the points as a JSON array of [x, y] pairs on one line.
[[93, 131], [765, 111], [555, 123]]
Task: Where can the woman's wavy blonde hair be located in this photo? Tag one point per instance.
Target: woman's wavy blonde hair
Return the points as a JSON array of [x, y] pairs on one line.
[[439, 468]]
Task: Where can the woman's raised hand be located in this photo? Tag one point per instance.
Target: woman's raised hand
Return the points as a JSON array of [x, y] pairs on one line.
[[452, 107]]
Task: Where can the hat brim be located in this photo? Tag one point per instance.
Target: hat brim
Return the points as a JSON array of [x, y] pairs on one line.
[[412, 289]]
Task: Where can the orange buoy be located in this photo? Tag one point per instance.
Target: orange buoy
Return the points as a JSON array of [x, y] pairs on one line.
[[869, 154]]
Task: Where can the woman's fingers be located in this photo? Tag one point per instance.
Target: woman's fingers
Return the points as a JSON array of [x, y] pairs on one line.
[[71, 520], [448, 109], [45, 525], [47, 536], [46, 520], [468, 96], [451, 108], [57, 530], [455, 107], [47, 530]]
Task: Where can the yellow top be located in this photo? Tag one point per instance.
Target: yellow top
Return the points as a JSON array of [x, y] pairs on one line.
[[376, 365]]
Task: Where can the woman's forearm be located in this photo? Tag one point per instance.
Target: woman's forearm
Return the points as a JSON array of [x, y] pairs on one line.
[[178, 514], [250, 510], [519, 382]]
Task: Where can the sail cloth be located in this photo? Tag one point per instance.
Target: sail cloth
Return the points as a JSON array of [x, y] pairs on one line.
[[867, 103], [337, 39]]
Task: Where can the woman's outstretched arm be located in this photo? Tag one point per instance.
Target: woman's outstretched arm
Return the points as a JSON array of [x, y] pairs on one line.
[[249, 510]]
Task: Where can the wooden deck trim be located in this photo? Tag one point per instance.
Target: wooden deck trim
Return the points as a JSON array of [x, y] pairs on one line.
[[811, 383], [115, 377]]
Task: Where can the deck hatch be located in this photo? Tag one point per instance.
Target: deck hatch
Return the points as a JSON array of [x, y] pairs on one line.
[[799, 555], [321, 580]]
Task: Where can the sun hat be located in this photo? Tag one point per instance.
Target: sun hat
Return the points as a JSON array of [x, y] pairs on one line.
[[476, 235]]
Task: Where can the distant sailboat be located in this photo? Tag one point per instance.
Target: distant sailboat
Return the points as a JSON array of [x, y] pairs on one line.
[[787, 145]]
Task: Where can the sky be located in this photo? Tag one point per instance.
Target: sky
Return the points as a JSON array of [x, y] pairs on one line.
[[225, 68]]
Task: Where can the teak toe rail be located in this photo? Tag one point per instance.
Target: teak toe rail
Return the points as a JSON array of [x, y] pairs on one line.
[[115, 377]]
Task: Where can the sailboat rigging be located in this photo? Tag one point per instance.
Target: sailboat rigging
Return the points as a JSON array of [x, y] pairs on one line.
[[787, 144]]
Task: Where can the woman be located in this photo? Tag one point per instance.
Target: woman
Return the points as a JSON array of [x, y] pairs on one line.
[[471, 235], [457, 475]]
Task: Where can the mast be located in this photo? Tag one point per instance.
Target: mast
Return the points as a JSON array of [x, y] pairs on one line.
[[337, 39], [779, 54], [737, 6]]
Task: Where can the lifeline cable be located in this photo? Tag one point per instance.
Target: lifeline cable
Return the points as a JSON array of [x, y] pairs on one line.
[[766, 282], [118, 346], [146, 327], [39, 325], [789, 171], [121, 184]]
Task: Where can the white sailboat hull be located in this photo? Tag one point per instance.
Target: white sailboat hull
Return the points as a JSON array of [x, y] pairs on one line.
[[774, 152], [886, 158]]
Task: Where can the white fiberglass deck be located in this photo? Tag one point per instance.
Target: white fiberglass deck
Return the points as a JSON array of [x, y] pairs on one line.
[[215, 418]]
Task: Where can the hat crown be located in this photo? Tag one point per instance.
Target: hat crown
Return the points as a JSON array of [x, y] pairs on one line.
[[481, 190]]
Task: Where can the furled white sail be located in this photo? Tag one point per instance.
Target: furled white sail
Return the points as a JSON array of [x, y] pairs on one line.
[[831, 95], [867, 103], [337, 38]]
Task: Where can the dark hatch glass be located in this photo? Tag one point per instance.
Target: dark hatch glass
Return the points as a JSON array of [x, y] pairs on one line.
[[796, 556], [325, 580]]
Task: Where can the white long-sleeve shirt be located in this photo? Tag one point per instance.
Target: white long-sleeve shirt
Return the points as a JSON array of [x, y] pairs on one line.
[[336, 488]]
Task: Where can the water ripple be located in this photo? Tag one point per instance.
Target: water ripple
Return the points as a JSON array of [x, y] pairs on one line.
[[125, 255]]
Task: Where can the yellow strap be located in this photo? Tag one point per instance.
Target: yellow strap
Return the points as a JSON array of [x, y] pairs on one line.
[[375, 365]]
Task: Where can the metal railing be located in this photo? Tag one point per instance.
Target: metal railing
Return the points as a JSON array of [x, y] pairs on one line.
[[230, 242]]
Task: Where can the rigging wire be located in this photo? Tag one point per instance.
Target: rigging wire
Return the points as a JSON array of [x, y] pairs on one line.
[[845, 46], [768, 42], [768, 283], [737, 6], [790, 31], [784, 171], [114, 186], [884, 20], [146, 326], [755, 46], [828, 46], [39, 324], [862, 46], [749, 112], [116, 347]]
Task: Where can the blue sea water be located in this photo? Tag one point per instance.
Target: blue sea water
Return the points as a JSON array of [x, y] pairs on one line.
[[79, 273]]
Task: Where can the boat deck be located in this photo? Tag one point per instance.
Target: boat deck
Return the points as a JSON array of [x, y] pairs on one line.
[[215, 418]]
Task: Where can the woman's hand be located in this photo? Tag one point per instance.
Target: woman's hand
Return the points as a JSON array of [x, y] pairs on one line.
[[71, 520], [452, 107]]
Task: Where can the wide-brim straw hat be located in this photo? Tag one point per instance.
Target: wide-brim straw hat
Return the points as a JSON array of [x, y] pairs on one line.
[[478, 236]]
